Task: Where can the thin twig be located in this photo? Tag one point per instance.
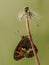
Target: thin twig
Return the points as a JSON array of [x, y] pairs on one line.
[[31, 41]]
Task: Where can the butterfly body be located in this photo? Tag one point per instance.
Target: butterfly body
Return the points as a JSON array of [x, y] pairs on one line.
[[24, 49]]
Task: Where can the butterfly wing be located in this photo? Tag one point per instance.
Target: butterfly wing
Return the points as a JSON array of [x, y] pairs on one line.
[[29, 52], [18, 53]]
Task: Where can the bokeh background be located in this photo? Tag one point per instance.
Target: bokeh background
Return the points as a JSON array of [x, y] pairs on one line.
[[11, 30]]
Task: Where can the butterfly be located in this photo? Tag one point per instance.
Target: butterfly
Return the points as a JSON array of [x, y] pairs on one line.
[[24, 49]]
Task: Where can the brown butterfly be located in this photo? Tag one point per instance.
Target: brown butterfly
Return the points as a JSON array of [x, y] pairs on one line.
[[24, 49]]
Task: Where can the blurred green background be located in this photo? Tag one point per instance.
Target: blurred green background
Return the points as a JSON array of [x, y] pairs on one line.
[[11, 30]]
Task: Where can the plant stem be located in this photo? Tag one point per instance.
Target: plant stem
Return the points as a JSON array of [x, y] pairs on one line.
[[31, 41]]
